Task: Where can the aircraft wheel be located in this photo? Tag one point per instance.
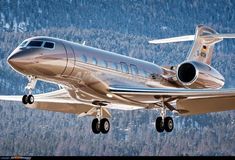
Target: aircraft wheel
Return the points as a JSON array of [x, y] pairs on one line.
[[104, 125], [30, 99], [95, 126], [25, 99], [168, 124], [159, 124]]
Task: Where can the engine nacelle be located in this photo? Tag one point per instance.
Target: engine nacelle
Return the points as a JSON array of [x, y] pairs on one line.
[[193, 74]]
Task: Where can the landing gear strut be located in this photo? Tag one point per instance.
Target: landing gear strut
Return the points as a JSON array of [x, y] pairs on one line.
[[163, 122], [29, 98], [100, 124]]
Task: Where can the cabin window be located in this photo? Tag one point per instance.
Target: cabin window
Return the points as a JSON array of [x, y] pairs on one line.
[[113, 66], [145, 74], [103, 63], [106, 64], [49, 45], [35, 44], [94, 61], [84, 58], [134, 69], [125, 68]]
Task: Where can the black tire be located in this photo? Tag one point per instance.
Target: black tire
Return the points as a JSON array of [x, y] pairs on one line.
[[168, 124], [104, 125], [159, 124], [25, 99], [95, 126], [30, 99]]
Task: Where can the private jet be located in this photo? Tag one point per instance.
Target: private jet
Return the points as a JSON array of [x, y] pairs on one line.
[[93, 81]]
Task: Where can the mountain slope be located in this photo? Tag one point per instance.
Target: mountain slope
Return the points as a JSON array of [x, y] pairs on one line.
[[123, 27]]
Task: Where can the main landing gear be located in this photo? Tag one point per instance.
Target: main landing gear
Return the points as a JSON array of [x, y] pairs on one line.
[[166, 124], [100, 124], [29, 98], [163, 122]]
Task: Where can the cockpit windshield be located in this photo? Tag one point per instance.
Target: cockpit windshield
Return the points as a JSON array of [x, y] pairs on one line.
[[35, 44], [48, 45]]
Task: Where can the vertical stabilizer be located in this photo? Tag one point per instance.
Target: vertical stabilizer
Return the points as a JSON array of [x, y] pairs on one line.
[[203, 46], [204, 40]]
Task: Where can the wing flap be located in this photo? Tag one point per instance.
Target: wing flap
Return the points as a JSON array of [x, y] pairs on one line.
[[192, 106], [188, 101]]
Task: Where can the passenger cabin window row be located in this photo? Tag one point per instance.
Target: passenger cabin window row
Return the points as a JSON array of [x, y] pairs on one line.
[[123, 66], [37, 44]]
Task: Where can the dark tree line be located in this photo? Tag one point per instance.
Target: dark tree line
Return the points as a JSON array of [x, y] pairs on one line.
[[123, 27]]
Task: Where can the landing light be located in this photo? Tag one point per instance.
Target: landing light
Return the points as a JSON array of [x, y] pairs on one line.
[[109, 95]]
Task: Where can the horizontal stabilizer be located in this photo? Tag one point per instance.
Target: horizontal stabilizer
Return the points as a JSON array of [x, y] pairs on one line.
[[174, 39], [219, 36], [190, 38]]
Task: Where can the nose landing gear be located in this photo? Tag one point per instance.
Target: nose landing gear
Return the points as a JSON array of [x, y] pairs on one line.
[[29, 98]]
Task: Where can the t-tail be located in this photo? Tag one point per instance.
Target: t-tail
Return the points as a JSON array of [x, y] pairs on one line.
[[204, 40], [195, 71]]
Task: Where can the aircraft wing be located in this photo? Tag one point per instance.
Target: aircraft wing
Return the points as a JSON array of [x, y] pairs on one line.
[[188, 101], [59, 101]]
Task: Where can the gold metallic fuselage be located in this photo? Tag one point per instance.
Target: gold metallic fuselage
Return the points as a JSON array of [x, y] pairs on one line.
[[89, 81]]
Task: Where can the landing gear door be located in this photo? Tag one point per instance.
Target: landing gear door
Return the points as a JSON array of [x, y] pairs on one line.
[[70, 61]]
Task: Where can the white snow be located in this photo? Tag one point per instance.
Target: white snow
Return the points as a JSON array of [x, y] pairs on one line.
[[164, 27], [7, 25], [15, 25], [39, 10], [22, 27], [2, 17]]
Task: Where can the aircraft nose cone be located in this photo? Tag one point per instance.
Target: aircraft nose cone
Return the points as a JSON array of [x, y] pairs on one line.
[[17, 60], [11, 59]]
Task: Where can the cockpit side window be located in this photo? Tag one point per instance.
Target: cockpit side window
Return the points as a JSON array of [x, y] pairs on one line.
[[35, 44], [23, 44], [49, 45]]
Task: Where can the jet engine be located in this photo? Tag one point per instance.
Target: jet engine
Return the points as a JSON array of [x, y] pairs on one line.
[[194, 74]]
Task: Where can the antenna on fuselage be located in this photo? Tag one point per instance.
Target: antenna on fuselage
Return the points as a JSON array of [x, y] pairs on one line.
[[60, 86], [84, 43]]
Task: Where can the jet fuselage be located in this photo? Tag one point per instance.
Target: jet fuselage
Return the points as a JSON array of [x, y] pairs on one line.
[[88, 72]]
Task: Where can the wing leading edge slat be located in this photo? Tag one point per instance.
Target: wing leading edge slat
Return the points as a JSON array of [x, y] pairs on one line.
[[173, 92]]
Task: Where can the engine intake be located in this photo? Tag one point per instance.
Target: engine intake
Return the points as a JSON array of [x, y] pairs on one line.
[[193, 74], [186, 72]]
